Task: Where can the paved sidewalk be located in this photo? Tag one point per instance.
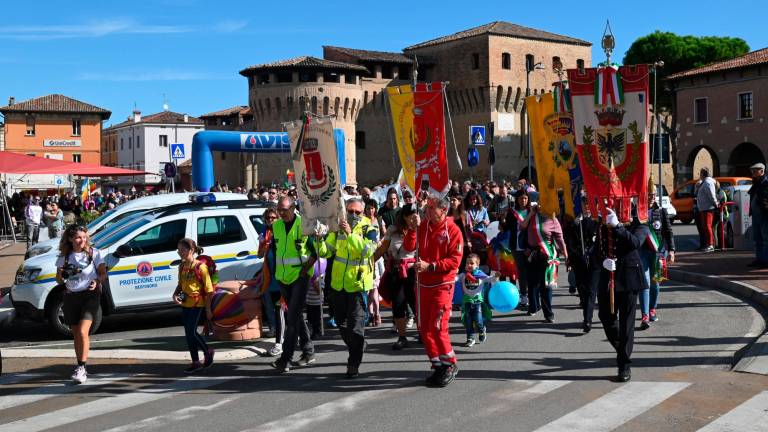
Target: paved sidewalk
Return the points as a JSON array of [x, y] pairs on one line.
[[11, 257], [728, 271]]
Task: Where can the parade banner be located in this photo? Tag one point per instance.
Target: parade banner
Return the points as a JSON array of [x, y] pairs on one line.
[[610, 111], [401, 108], [421, 143], [554, 152], [317, 173]]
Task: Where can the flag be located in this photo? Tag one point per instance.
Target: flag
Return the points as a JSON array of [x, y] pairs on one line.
[[610, 111], [419, 123], [85, 189], [554, 153], [317, 173]]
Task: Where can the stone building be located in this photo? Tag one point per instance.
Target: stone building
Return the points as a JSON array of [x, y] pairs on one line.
[[486, 70], [721, 116]]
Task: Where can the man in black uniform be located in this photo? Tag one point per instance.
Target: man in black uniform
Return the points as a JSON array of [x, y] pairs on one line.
[[579, 239], [615, 252]]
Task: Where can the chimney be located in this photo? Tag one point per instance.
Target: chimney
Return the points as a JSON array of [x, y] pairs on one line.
[[186, 118], [11, 101], [136, 116]]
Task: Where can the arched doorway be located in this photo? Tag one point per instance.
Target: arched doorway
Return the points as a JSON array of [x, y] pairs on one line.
[[742, 157], [702, 157]]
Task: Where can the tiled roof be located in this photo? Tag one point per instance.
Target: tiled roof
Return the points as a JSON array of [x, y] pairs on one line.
[[306, 62], [55, 103], [503, 28], [164, 117], [375, 56], [750, 59], [227, 112]]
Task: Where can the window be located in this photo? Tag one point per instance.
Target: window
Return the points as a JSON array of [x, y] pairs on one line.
[[557, 64], [386, 72], [331, 77], [529, 62], [653, 147], [745, 105], [160, 238], [76, 127], [475, 61], [580, 64], [163, 140], [284, 77], [700, 113], [360, 140], [77, 157], [506, 61], [130, 143], [307, 76], [121, 144], [258, 223], [138, 142], [263, 79], [216, 230], [30, 125], [403, 72], [686, 191], [350, 78]]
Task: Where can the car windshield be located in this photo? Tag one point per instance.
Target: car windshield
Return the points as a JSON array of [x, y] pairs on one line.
[[113, 235], [94, 223], [116, 223]]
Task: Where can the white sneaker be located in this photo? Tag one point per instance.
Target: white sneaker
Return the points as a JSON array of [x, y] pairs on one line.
[[409, 323], [276, 350], [80, 375]]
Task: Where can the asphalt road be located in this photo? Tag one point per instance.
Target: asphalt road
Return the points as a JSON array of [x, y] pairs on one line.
[[528, 375]]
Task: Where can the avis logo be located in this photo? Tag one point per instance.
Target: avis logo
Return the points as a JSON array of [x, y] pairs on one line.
[[274, 141], [144, 268]]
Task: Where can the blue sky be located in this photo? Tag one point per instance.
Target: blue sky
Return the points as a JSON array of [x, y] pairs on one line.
[[114, 54]]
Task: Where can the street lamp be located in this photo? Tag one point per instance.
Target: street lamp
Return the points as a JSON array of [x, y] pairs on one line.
[[530, 67]]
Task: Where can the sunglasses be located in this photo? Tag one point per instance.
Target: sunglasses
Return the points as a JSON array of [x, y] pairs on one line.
[[356, 212], [270, 217]]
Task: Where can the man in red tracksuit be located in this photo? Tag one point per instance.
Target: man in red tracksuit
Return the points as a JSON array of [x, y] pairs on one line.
[[440, 246]]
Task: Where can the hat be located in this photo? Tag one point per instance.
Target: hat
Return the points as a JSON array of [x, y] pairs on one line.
[[758, 166]]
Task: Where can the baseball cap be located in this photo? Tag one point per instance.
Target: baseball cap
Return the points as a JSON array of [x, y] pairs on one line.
[[758, 166]]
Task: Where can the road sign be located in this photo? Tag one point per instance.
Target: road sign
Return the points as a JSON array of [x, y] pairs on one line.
[[177, 151], [169, 170], [59, 180], [477, 135]]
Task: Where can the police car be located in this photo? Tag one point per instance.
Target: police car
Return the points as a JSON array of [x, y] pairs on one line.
[[133, 207], [142, 262]]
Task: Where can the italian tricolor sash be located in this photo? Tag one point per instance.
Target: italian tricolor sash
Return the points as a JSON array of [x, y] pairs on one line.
[[608, 88], [653, 241], [519, 215], [548, 249]]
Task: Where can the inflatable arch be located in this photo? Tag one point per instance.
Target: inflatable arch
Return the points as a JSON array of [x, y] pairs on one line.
[[205, 142]]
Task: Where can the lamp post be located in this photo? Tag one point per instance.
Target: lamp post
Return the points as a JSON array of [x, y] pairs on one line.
[[656, 66], [529, 67]]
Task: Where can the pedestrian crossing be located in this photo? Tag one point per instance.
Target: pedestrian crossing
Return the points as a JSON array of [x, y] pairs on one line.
[[594, 405]]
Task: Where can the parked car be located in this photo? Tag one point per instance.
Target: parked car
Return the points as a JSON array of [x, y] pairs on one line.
[[142, 262], [132, 207], [666, 204], [683, 196]]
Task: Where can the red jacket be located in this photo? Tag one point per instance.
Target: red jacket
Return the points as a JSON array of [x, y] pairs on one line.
[[439, 244]]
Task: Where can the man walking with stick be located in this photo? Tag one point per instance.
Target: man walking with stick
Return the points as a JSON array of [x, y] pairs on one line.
[[440, 243]]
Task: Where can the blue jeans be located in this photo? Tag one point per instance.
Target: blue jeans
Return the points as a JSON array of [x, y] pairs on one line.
[[191, 318], [473, 315], [649, 298], [760, 235]]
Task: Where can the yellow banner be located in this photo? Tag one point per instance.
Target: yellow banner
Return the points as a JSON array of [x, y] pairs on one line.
[[401, 107], [554, 152]]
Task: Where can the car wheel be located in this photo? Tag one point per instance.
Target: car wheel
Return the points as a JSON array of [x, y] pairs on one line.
[[54, 313]]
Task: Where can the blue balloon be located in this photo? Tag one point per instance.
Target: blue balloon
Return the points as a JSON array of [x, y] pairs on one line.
[[458, 293], [503, 296]]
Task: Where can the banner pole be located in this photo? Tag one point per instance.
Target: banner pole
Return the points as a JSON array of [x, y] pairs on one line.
[[450, 122]]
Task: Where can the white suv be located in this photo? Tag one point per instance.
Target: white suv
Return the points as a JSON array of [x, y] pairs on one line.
[[142, 261]]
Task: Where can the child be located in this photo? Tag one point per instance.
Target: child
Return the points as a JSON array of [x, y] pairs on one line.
[[194, 294], [472, 300]]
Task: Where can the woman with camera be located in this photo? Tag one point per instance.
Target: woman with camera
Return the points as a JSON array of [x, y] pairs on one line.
[[81, 269]]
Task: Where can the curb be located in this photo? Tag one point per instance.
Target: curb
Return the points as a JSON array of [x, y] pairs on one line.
[[131, 354], [755, 356]]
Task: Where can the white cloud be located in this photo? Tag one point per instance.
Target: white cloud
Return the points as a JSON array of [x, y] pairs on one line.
[[107, 27], [159, 75]]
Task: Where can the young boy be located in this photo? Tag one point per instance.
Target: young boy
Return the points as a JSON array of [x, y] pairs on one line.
[[472, 300]]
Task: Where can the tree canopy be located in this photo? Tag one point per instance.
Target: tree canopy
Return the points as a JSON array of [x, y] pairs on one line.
[[681, 53]]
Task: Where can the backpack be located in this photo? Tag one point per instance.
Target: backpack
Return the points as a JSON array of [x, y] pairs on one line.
[[212, 271]]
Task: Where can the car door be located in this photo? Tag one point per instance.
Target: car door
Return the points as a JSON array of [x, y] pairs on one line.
[[224, 238], [149, 274]]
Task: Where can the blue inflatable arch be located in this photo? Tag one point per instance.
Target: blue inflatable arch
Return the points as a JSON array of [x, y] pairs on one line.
[[204, 143]]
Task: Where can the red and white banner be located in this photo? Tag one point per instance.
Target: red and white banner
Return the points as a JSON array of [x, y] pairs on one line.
[[610, 110], [429, 138]]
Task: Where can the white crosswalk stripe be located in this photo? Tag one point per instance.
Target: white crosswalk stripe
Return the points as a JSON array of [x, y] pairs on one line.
[[751, 416], [57, 389], [108, 405], [167, 419], [612, 410]]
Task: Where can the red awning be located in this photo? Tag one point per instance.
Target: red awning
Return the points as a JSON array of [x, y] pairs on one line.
[[15, 163]]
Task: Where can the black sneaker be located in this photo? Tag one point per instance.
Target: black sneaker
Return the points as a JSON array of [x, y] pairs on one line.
[[281, 366], [194, 367], [586, 327], [436, 377], [482, 336], [402, 342], [353, 371], [448, 376], [208, 358], [305, 360], [550, 320], [625, 374]]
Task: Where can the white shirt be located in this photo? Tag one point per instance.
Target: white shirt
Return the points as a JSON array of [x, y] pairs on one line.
[[88, 267], [34, 213]]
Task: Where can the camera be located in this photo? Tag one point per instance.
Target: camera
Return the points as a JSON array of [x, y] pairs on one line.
[[69, 271]]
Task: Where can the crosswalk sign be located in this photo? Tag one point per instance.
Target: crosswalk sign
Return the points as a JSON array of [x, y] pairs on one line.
[[177, 151], [477, 135]]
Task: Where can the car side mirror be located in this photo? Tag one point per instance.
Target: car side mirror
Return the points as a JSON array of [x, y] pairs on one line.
[[123, 251]]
